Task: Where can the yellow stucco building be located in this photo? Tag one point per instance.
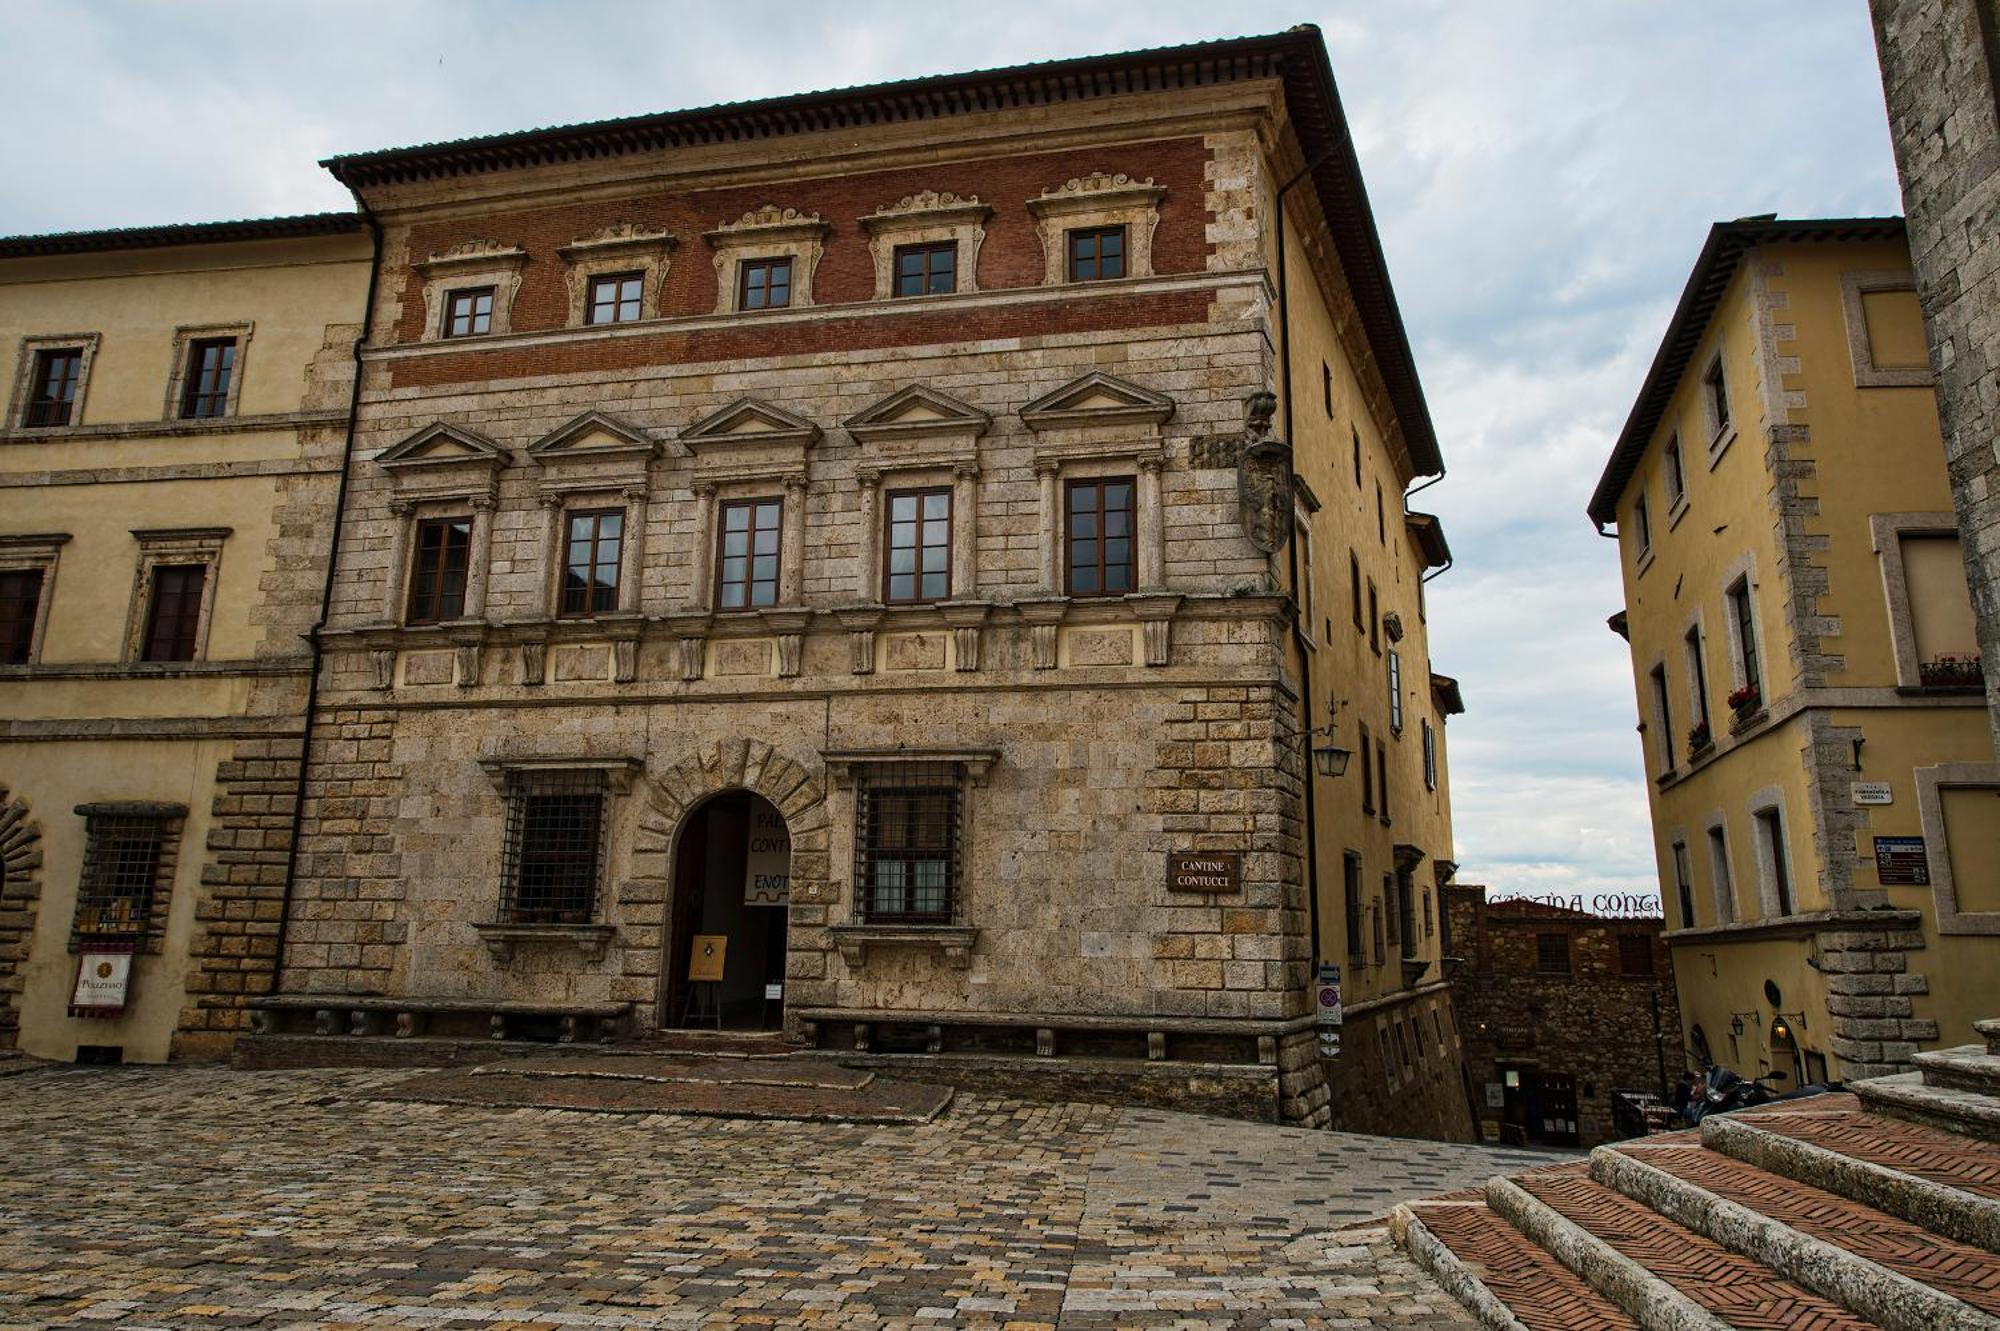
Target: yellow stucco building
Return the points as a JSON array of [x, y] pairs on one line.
[[1822, 791], [177, 411]]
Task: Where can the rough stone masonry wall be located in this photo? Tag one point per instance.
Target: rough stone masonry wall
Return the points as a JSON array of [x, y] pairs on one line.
[[20, 896], [1941, 74], [1869, 988]]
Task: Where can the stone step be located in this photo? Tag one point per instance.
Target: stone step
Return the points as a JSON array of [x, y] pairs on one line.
[[1908, 1096], [1966, 1068], [1496, 1273], [1933, 1179], [1989, 1031], [1897, 1273], [1666, 1276]]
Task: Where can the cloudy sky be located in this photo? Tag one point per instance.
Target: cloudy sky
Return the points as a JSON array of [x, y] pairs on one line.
[[1542, 172]]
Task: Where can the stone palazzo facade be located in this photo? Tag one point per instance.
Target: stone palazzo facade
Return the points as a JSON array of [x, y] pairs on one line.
[[818, 526]]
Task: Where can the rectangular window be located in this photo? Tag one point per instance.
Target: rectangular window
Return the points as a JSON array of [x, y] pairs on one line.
[[1097, 254], [52, 391], [1406, 906], [746, 575], [764, 284], [907, 842], [1430, 755], [1552, 954], [1716, 388], [918, 567], [591, 556], [1718, 869], [615, 299], [1684, 884], [1635, 956], [1100, 537], [438, 570], [211, 365], [1771, 832], [1354, 582], [1374, 618], [1642, 526], [1742, 611], [173, 619], [1394, 910], [1357, 942], [1381, 526], [1382, 777], [555, 842], [927, 270], [20, 606], [1355, 433], [1698, 674], [122, 856], [1304, 538], [1663, 716], [1943, 628], [1676, 473], [1367, 776], [1326, 388], [1395, 691], [468, 313], [1381, 913]]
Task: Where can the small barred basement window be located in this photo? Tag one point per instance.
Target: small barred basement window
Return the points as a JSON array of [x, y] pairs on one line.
[[555, 843], [907, 837], [1635, 954], [128, 864], [1552, 954]]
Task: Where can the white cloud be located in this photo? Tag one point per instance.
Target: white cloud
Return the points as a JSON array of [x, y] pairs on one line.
[[1542, 174]]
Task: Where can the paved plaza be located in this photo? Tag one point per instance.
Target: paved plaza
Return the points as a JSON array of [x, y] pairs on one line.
[[205, 1197]]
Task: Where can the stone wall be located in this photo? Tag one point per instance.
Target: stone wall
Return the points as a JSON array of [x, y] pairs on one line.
[[1941, 73], [1609, 1030], [1401, 1069], [20, 897]]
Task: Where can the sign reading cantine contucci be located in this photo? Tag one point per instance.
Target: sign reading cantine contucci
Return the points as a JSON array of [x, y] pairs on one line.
[[1204, 871]]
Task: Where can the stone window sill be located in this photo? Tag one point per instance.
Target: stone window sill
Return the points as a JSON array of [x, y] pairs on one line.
[[1677, 510], [1719, 444], [953, 941], [591, 940]]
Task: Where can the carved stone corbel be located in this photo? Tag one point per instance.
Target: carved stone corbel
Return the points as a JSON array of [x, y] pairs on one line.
[[534, 661], [1156, 624], [966, 622], [860, 625], [624, 660], [468, 665], [1043, 618], [382, 660]]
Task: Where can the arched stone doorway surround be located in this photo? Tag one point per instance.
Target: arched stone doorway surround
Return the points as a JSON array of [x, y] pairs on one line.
[[20, 896], [673, 794]]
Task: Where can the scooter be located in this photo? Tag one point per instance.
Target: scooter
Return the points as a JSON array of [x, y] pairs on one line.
[[1722, 1091]]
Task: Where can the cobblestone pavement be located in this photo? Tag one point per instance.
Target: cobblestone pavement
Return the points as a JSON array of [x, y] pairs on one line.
[[205, 1197]]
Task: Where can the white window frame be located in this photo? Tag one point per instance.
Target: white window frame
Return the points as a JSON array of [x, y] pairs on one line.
[[1767, 806], [173, 546], [618, 249], [185, 336], [769, 232], [1886, 532], [1099, 199], [476, 263], [1854, 288], [1722, 877], [929, 217], [1720, 428], [24, 378], [37, 552]]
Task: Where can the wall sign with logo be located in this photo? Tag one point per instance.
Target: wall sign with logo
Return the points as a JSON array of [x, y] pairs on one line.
[[1204, 871], [1900, 862], [767, 869], [103, 982]]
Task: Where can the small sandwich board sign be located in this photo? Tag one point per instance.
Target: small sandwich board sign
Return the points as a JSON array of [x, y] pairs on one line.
[[103, 980]]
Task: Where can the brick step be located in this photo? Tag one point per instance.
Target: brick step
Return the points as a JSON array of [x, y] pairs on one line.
[[1989, 1031], [1966, 1068], [1497, 1274], [1893, 1271], [1908, 1096], [1662, 1273], [1943, 1183]]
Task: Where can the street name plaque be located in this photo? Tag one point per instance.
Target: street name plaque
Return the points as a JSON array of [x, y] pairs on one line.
[[1204, 871]]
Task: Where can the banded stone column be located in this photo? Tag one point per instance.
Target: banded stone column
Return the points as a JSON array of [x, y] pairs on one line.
[[965, 529], [632, 553], [792, 543], [1152, 534], [868, 579], [1051, 518], [555, 539], [701, 594], [402, 513], [476, 576]]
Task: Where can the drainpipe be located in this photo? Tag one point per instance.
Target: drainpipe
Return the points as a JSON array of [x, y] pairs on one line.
[[326, 594]]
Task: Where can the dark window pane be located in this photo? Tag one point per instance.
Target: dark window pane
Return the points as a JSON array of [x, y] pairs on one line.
[[927, 270], [173, 620], [590, 565], [1100, 537], [1096, 253], [211, 365], [469, 313], [121, 872], [918, 546], [555, 826], [765, 284], [20, 601], [747, 573], [614, 299], [52, 394], [907, 842], [438, 570]]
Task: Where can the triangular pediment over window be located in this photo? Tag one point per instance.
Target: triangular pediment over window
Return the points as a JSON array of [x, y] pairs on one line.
[[749, 420], [443, 445], [918, 410], [592, 437], [1097, 399]]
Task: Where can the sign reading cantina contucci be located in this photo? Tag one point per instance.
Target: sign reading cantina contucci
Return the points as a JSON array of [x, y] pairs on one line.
[[1204, 871]]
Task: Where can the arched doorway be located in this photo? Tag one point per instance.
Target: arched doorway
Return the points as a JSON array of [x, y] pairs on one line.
[[729, 908]]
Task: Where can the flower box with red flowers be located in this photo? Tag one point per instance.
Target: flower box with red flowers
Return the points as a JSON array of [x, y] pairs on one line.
[[1699, 740], [1951, 672]]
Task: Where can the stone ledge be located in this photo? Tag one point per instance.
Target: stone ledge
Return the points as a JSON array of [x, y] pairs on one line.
[[953, 942], [590, 940]]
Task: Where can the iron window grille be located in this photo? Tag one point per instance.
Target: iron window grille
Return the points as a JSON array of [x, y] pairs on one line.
[[52, 393], [173, 619], [121, 878], [1552, 954], [437, 582], [20, 603], [590, 563], [751, 535], [764, 284], [211, 365], [919, 545], [554, 845], [1100, 536], [908, 832], [927, 270], [1096, 254], [615, 299], [468, 313]]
